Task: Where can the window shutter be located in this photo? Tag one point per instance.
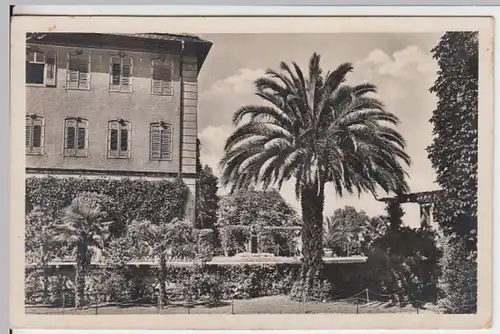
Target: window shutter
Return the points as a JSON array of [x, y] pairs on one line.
[[126, 78], [124, 140], [167, 78], [114, 73], [28, 134], [156, 79], [129, 139], [113, 139], [84, 72], [37, 136], [70, 139], [81, 138], [166, 141], [50, 68], [155, 141], [73, 67]]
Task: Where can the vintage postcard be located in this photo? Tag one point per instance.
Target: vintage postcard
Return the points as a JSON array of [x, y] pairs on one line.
[[252, 172]]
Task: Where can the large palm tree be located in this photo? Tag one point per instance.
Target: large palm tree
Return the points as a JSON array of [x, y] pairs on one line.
[[315, 129], [83, 226]]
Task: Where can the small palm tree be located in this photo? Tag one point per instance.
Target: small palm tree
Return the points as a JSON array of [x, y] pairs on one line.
[[315, 129], [165, 241], [85, 228]]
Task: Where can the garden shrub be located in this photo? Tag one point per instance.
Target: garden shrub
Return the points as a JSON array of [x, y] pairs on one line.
[[458, 282], [137, 199]]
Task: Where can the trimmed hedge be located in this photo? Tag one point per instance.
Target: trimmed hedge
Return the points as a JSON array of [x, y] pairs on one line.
[[137, 199], [212, 281]]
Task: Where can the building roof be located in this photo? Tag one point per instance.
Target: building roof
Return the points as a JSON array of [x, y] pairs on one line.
[[194, 45], [169, 37]]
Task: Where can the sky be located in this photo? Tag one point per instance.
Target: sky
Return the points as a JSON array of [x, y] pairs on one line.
[[400, 65]]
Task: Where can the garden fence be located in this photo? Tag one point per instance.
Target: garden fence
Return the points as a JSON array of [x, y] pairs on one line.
[[365, 301]]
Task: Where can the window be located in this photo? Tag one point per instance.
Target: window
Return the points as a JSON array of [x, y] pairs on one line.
[[119, 139], [161, 141], [161, 77], [76, 137], [120, 74], [78, 74], [41, 67], [34, 134]]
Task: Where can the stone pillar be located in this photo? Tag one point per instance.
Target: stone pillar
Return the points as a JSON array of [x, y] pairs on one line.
[[426, 215]]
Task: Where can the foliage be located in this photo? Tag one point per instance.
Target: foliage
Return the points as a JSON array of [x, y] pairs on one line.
[[322, 290], [207, 201], [346, 231], [395, 215], [84, 228], [204, 244], [253, 207], [453, 152], [458, 282], [242, 212], [137, 199], [165, 241], [40, 248], [404, 264], [173, 240]]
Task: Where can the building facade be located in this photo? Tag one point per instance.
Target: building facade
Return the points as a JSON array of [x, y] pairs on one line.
[[113, 105]]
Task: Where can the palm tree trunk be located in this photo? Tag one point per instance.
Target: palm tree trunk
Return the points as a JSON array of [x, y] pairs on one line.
[[312, 203], [81, 266]]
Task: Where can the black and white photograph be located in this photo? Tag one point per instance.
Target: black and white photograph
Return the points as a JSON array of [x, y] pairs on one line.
[[197, 173]]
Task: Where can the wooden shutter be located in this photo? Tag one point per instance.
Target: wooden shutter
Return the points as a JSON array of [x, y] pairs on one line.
[[124, 141], [156, 78], [114, 73], [72, 71], [155, 152], [113, 139], [70, 137], [37, 136], [84, 72], [126, 75], [166, 142], [50, 68], [28, 134], [167, 78]]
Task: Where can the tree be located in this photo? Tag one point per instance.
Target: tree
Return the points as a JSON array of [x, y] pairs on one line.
[[207, 201], [346, 231], [258, 210], [165, 241], [85, 227], [453, 152], [315, 129], [458, 281], [395, 215]]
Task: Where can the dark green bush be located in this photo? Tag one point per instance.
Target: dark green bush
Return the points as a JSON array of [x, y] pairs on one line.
[[137, 199]]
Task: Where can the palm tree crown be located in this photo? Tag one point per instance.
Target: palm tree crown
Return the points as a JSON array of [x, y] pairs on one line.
[[317, 130]]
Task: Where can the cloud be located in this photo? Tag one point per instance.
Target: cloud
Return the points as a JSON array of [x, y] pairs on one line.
[[239, 83], [408, 63], [212, 140]]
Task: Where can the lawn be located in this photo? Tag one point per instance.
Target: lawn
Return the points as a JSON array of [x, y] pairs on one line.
[[270, 304]]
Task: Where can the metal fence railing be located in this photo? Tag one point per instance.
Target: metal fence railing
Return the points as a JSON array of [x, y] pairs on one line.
[[365, 301]]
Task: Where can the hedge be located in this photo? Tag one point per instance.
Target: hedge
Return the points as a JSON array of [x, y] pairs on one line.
[[137, 199], [240, 281]]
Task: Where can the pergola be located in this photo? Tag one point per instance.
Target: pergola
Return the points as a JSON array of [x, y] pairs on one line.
[[425, 200]]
